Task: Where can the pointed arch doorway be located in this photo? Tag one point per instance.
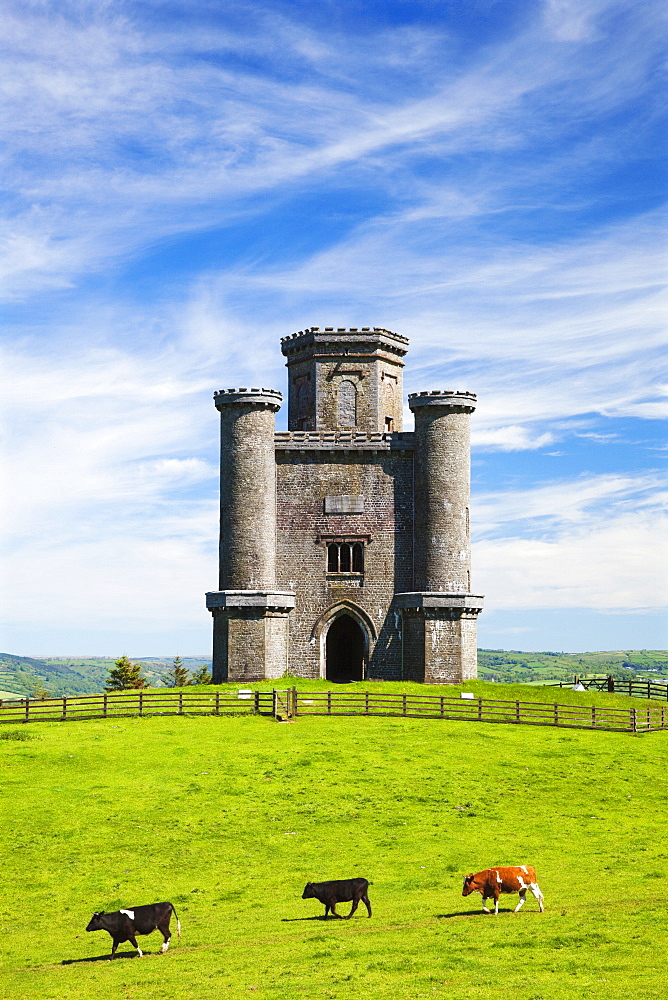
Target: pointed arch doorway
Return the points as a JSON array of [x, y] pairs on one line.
[[345, 650]]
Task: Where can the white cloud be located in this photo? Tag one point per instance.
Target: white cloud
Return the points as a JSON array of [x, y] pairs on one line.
[[510, 438], [611, 565], [594, 542]]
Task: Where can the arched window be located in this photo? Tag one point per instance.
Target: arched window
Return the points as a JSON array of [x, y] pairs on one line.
[[347, 404]]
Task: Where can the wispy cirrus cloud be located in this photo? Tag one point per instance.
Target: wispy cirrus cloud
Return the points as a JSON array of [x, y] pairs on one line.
[[120, 127]]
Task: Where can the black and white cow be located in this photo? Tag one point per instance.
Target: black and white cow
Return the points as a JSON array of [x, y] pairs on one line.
[[346, 890], [124, 925]]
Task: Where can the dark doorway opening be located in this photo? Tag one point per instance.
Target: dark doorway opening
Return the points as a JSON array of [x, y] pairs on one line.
[[344, 651]]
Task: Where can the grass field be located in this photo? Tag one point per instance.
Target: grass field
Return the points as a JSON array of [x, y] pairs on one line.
[[229, 817]]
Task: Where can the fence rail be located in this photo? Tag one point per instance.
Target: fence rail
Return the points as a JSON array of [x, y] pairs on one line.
[[481, 710], [632, 688], [286, 704], [102, 706]]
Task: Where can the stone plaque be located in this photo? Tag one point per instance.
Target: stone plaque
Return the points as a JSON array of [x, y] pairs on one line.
[[344, 505]]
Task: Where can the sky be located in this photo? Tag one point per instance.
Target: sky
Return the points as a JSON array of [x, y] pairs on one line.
[[186, 183]]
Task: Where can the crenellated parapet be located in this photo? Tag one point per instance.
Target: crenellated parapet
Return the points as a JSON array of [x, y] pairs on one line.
[[343, 441], [269, 399], [458, 400]]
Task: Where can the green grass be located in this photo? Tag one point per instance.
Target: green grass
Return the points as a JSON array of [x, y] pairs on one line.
[[229, 817]]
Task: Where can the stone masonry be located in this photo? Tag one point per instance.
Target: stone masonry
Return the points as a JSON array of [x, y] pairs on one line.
[[345, 541]]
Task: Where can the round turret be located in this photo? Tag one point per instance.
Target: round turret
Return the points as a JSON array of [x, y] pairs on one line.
[[247, 488], [442, 490]]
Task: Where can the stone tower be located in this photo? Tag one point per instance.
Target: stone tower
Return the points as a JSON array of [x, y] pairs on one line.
[[344, 544]]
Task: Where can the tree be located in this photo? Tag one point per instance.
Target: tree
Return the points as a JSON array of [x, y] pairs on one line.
[[177, 676], [201, 676], [124, 676]]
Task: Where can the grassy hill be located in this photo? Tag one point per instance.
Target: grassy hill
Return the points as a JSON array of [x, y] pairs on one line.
[[24, 675], [230, 817]]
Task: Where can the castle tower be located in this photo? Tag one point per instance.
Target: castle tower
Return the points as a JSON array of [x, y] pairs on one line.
[[345, 379], [442, 490], [250, 615], [344, 541], [440, 617]]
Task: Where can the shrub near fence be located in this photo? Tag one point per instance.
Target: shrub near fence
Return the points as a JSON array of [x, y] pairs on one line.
[[293, 703]]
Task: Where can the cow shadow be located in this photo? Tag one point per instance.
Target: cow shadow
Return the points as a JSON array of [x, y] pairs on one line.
[[294, 920], [469, 913], [101, 958]]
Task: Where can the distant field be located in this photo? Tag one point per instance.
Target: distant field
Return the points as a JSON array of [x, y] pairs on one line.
[[229, 817]]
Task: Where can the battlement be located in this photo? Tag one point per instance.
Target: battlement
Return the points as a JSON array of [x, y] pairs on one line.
[[339, 330], [456, 399], [343, 441], [269, 398]]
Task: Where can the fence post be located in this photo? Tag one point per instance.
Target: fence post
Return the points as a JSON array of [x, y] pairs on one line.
[[141, 702], [217, 708], [403, 699], [180, 702], [611, 684], [479, 709], [329, 703], [442, 706], [517, 711], [27, 708], [634, 721], [294, 702], [649, 691], [556, 715], [104, 705], [593, 715], [366, 705], [256, 701]]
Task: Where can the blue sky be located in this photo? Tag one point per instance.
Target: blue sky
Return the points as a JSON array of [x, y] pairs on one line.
[[186, 183]]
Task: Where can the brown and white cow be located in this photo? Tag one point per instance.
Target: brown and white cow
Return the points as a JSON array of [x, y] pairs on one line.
[[493, 881]]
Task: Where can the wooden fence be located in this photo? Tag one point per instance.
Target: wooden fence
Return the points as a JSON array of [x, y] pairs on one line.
[[126, 703], [632, 688], [291, 703], [635, 720]]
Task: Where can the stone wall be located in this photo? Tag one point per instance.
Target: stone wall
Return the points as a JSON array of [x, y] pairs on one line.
[[384, 481]]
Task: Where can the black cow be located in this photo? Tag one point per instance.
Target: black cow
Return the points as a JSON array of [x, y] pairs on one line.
[[124, 925], [339, 891]]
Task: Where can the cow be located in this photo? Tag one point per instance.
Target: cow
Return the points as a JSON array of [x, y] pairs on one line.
[[124, 925], [339, 891], [493, 881]]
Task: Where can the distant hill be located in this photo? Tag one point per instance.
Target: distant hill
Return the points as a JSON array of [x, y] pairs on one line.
[[29, 676], [26, 675], [519, 667]]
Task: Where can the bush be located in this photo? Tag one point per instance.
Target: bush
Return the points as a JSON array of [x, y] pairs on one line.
[[125, 676]]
